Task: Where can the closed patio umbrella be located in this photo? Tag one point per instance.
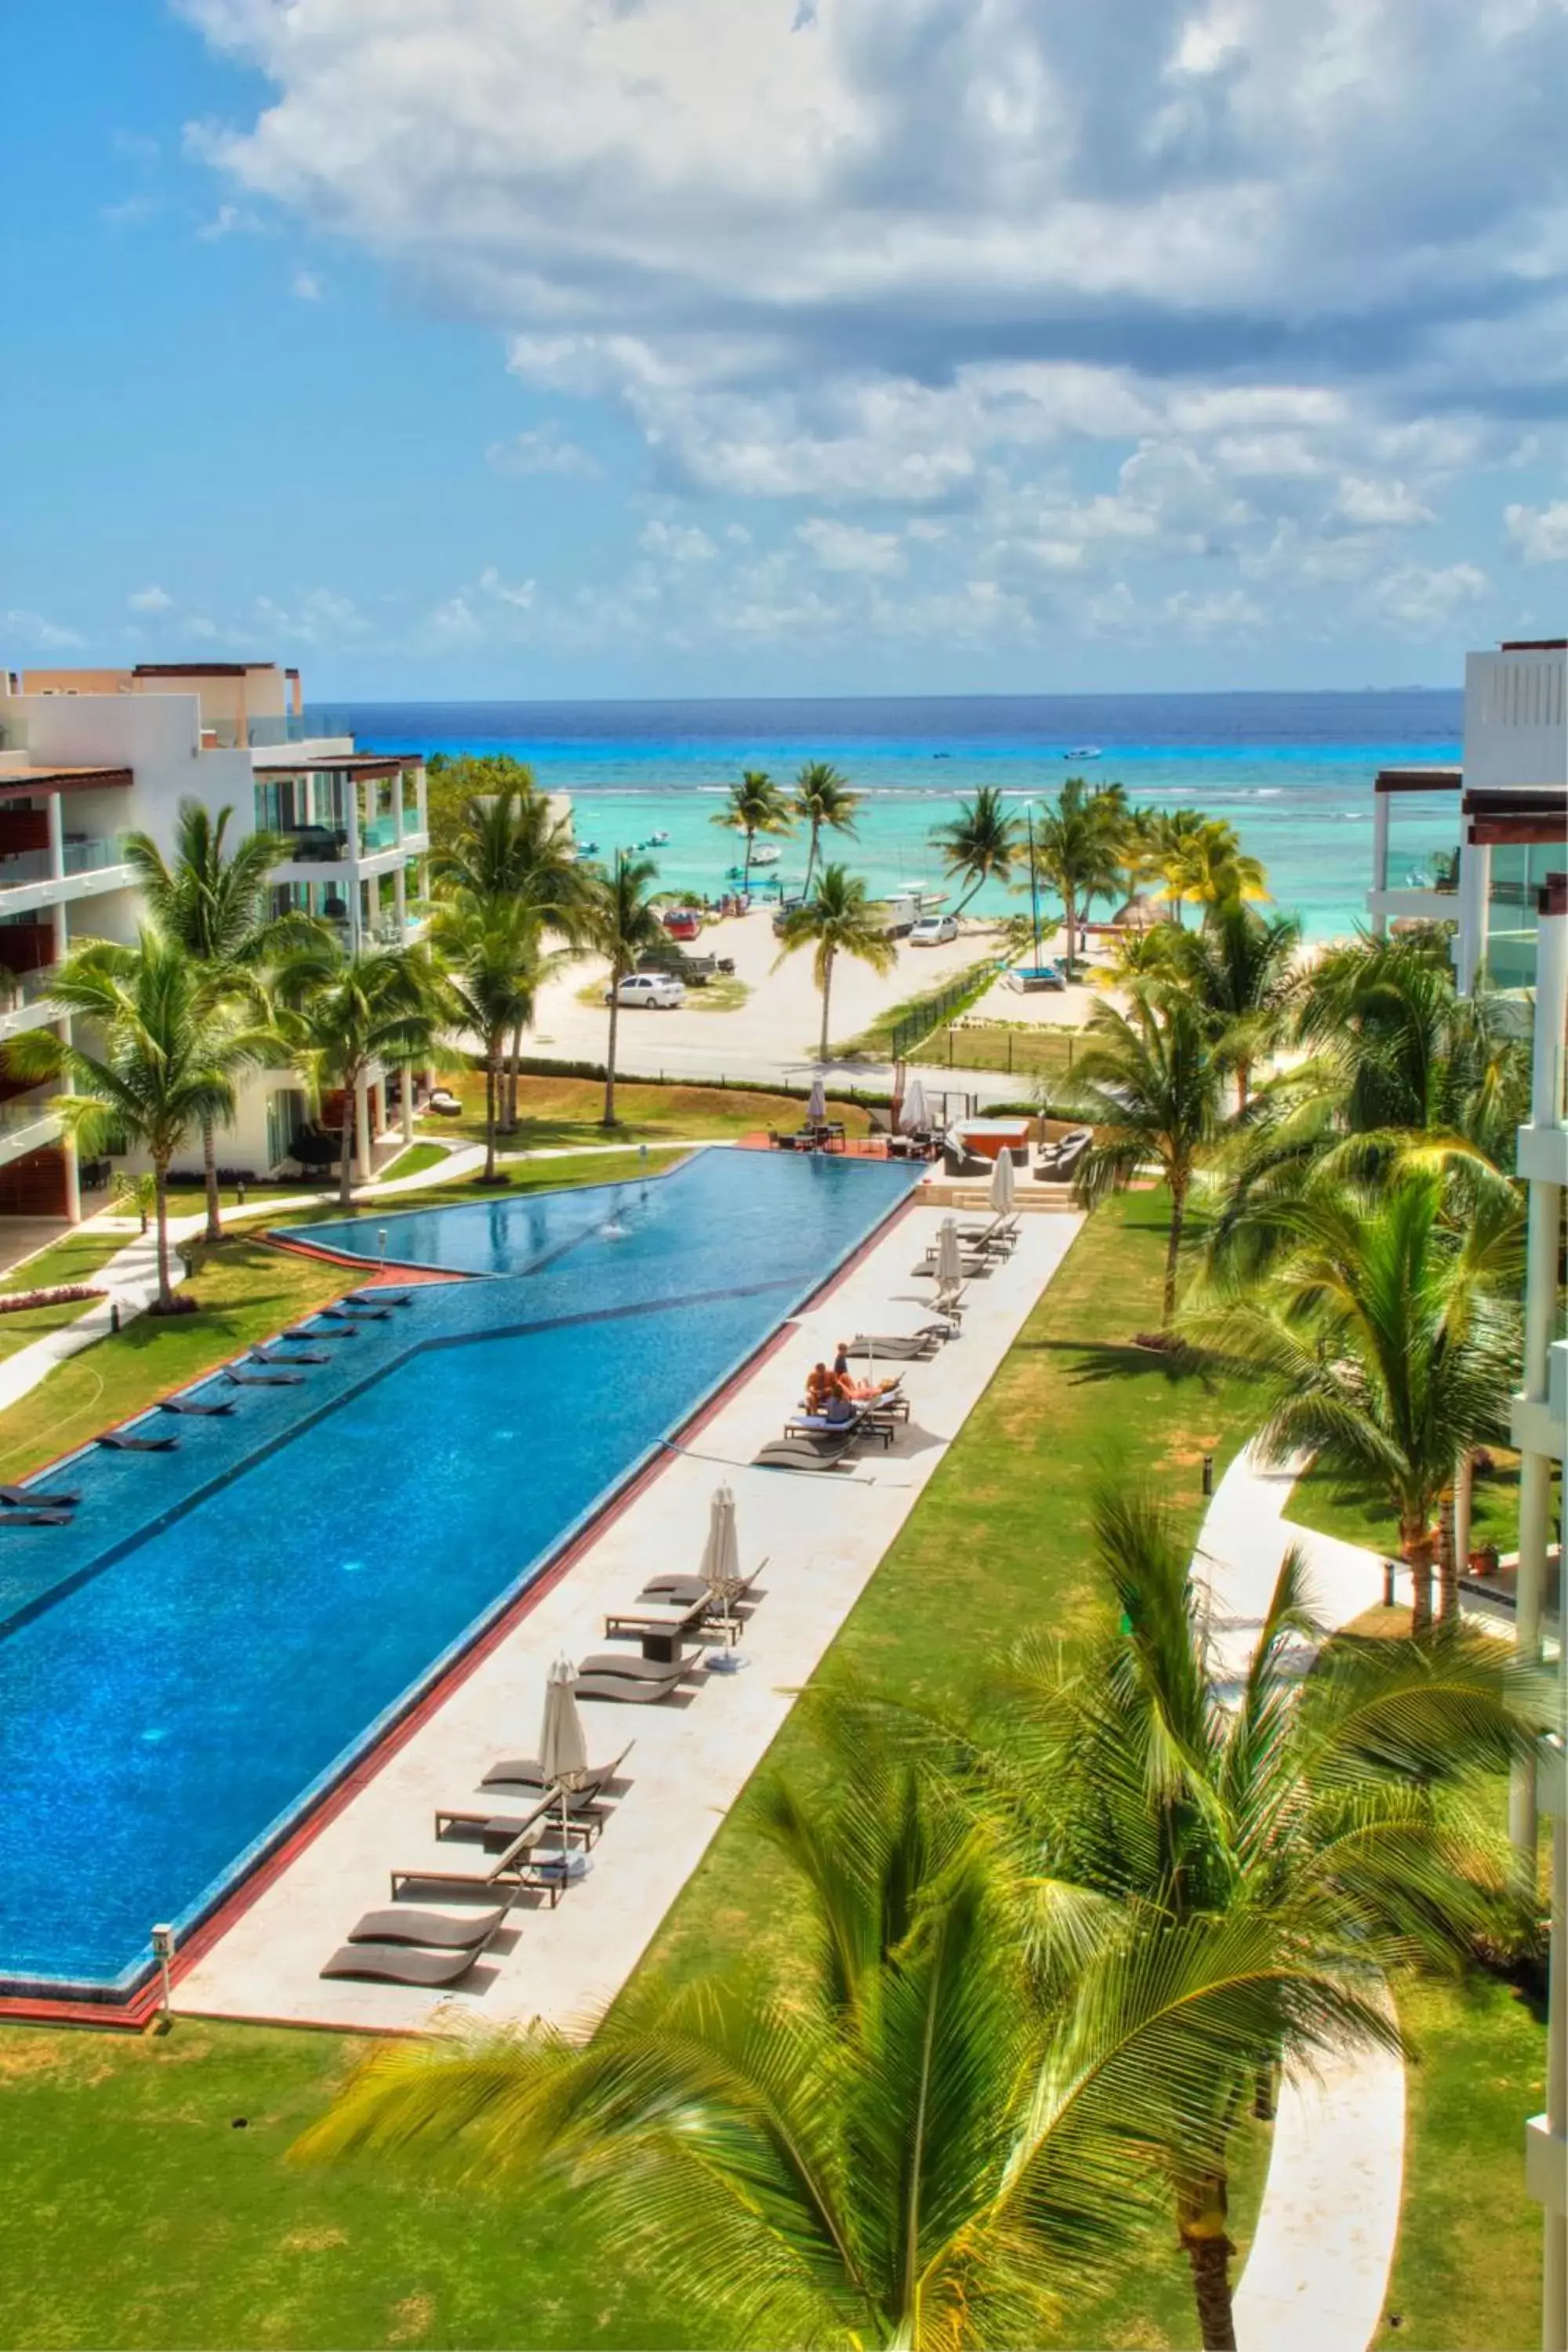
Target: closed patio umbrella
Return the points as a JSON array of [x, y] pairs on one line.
[[817, 1104], [1003, 1184], [949, 1264], [722, 1562], [915, 1116], [563, 1753]]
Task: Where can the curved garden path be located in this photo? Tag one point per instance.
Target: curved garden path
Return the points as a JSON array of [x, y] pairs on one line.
[[1317, 2275]]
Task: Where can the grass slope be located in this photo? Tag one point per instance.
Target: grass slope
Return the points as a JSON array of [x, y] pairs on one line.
[[554, 1113]]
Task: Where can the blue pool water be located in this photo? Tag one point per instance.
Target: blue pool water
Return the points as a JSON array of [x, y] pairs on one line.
[[224, 1626]]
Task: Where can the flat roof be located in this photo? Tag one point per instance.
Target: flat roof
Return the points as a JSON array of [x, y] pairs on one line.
[[58, 779], [1418, 780], [362, 763], [199, 670]]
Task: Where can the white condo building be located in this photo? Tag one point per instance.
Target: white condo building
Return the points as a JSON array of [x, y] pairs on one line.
[[87, 756]]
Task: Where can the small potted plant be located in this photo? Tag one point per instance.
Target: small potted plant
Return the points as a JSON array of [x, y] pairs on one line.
[[1484, 1560]]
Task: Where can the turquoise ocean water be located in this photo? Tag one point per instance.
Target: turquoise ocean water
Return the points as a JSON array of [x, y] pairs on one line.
[[1291, 771]]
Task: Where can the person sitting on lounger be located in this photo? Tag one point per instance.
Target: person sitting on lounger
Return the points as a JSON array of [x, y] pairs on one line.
[[820, 1385], [858, 1391]]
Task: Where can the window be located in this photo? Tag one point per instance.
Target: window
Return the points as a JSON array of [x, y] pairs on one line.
[[287, 1114]]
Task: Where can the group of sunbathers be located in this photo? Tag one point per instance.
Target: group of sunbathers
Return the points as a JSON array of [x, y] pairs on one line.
[[836, 1394]]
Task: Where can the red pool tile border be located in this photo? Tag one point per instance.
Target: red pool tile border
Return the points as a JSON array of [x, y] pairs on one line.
[[138, 2010]]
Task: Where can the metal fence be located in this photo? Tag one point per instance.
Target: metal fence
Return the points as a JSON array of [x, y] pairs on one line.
[[931, 1012]]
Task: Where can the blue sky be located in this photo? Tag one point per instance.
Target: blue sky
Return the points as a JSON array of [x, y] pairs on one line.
[[574, 347]]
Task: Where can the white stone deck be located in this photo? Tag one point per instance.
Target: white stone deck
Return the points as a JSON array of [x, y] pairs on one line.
[[823, 1536]]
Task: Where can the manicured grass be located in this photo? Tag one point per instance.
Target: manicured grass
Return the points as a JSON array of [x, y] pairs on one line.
[[1362, 1516], [1032, 1053], [415, 1160], [1467, 2273], [75, 1258], [553, 1112]]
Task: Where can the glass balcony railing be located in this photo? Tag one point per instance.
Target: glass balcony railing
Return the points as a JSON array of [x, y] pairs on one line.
[[25, 1110], [317, 845], [378, 833], [27, 865], [92, 856], [266, 734], [22, 988]]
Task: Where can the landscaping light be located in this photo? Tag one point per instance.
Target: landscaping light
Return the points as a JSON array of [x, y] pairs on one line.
[[1208, 1474], [381, 1242], [163, 1952]]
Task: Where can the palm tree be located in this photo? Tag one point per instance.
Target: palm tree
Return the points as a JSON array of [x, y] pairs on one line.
[[511, 847], [210, 904], [344, 1009], [982, 843], [1080, 844], [1242, 969], [823, 797], [1204, 864], [839, 920], [755, 806], [620, 921], [164, 1065], [493, 970], [1151, 1083], [913, 2137], [1321, 1821], [1385, 1339]]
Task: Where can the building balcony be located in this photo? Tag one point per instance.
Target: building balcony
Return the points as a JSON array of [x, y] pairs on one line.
[[27, 1123], [25, 999], [1413, 906], [88, 868]]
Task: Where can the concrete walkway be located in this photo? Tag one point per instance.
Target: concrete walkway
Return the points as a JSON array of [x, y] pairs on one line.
[[823, 1538], [1317, 2277]]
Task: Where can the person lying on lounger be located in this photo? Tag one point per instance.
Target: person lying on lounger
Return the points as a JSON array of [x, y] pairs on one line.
[[860, 1391]]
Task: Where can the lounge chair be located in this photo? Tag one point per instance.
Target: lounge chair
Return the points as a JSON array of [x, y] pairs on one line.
[[661, 1619], [503, 1869], [578, 1807], [672, 1589], [197, 1411], [299, 1332], [406, 1924], [119, 1443], [524, 1772], [290, 1356], [403, 1964], [357, 1314], [35, 1519], [260, 1380], [1001, 1234], [968, 1267], [807, 1452], [894, 1349], [380, 1299], [868, 1421], [33, 1498], [636, 1682]]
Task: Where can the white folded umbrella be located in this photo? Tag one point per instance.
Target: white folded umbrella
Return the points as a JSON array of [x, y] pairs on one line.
[[949, 1259], [562, 1749], [1003, 1185], [817, 1105], [915, 1116], [722, 1552]]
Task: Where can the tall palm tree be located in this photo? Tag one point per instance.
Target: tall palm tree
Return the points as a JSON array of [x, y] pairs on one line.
[[823, 797], [163, 1062], [756, 805], [1242, 969], [620, 922], [210, 903], [912, 2137], [982, 843], [1079, 846], [1205, 865], [1323, 1819], [1385, 1338], [1153, 1087], [344, 1009], [493, 968], [839, 920], [511, 846]]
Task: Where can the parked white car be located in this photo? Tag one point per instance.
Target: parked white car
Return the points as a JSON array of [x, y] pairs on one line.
[[933, 931], [655, 989]]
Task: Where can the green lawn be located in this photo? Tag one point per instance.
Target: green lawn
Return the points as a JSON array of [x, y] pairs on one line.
[[1030, 1052], [1467, 2275], [1362, 1516], [554, 1112], [75, 1258], [132, 2211], [875, 1041], [415, 1161]]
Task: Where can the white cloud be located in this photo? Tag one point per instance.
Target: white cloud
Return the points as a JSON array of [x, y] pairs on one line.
[[455, 623], [229, 220], [1229, 611], [306, 286], [1372, 505], [543, 450], [36, 634], [131, 212], [1422, 599], [151, 599], [319, 616], [521, 595], [676, 542], [844, 547], [1539, 534]]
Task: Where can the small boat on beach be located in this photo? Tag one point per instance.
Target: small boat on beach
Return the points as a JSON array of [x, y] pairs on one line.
[[766, 856]]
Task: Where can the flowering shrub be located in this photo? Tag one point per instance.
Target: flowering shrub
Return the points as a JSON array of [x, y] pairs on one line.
[[13, 1301]]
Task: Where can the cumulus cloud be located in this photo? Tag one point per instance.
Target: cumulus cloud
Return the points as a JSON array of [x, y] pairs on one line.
[[544, 449], [151, 599], [33, 633], [1379, 505], [844, 547], [1539, 534], [320, 616], [306, 286], [1421, 598]]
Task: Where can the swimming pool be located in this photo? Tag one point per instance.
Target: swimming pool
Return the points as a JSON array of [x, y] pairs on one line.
[[223, 1628]]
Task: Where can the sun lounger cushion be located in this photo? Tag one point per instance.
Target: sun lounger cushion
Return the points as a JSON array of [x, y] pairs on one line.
[[34, 1498], [119, 1443], [403, 1964], [35, 1519], [199, 1411], [405, 1923], [802, 1454], [524, 1772], [260, 1380], [642, 1670]]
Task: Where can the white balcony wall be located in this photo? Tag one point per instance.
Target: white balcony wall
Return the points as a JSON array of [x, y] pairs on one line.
[[1516, 719]]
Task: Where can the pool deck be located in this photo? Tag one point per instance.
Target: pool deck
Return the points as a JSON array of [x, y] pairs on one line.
[[823, 1537]]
